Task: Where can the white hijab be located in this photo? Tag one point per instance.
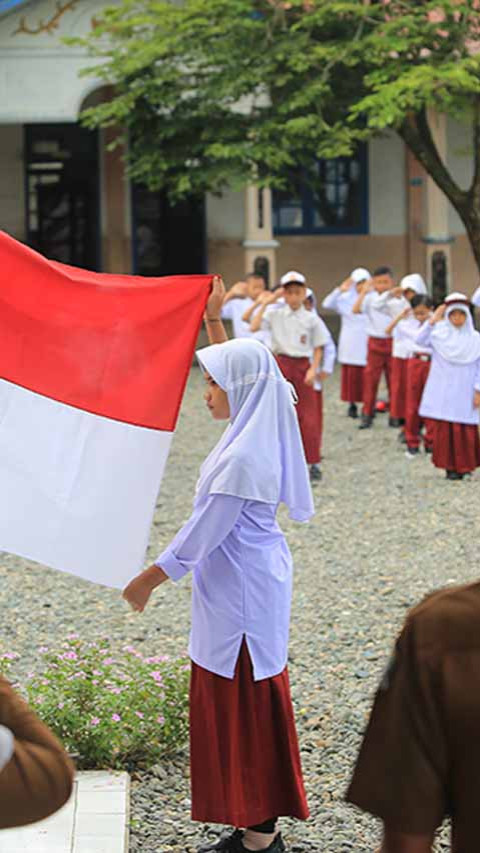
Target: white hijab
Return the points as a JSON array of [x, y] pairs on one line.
[[457, 345], [415, 282], [260, 456]]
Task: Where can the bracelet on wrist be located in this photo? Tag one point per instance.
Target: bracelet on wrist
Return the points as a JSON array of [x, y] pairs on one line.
[[213, 319]]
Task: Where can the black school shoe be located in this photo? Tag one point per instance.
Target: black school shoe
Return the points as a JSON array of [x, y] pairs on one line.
[[395, 422], [367, 422], [233, 843], [454, 475], [315, 474], [352, 410]]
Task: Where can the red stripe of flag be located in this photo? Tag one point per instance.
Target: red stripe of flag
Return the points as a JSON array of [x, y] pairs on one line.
[[117, 346]]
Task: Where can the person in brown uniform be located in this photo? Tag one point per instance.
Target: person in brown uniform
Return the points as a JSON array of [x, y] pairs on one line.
[[420, 758], [36, 775]]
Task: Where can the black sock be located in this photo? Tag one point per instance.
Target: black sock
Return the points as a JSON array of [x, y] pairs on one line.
[[268, 827]]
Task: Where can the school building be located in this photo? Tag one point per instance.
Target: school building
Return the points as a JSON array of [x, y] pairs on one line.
[[64, 193]]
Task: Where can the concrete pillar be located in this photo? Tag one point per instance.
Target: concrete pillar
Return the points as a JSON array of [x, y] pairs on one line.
[[115, 195], [259, 245], [437, 238]]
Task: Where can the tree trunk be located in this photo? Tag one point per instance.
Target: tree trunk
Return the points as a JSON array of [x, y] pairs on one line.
[[416, 134]]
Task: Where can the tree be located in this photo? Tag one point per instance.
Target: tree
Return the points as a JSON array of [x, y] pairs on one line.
[[216, 92]]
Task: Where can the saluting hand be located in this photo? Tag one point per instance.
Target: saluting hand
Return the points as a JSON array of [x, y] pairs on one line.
[[438, 314], [346, 285], [215, 300], [239, 289]]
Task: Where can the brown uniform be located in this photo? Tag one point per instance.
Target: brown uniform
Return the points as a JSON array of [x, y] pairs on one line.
[[420, 758], [38, 779]]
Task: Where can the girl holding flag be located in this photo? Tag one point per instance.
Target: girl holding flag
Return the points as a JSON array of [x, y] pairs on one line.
[[245, 762]]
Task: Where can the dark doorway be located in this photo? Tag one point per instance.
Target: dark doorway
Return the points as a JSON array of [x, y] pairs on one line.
[[62, 193], [167, 239]]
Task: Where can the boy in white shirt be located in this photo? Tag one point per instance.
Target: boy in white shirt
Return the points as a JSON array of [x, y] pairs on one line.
[[379, 357], [297, 341]]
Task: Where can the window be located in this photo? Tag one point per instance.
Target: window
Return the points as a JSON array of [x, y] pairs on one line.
[[338, 204]]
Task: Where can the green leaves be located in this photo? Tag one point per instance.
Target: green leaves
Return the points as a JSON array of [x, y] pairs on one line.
[[211, 92]]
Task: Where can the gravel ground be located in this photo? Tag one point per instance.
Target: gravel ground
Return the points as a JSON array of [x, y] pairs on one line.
[[387, 530]]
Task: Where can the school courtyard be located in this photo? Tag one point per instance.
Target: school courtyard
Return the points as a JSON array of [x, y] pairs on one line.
[[387, 530]]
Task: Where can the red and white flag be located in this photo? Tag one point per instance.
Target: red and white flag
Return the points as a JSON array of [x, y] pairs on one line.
[[92, 372]]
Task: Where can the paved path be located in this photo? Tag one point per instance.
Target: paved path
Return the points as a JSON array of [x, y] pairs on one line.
[[93, 821]]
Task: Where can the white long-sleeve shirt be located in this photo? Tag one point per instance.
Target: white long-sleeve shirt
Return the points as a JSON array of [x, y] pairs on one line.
[[352, 342], [242, 583], [449, 390], [373, 306], [328, 356], [234, 310]]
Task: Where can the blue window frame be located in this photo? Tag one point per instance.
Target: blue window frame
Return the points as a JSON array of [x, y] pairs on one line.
[[337, 204]]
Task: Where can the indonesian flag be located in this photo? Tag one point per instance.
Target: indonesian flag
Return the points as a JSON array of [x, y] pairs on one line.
[[92, 373]]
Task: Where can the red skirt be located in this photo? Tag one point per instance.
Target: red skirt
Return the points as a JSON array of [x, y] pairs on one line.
[[398, 387], [320, 419], [456, 447], [294, 369], [245, 761], [352, 383]]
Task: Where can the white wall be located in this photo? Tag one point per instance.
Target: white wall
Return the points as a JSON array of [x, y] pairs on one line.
[[12, 193], [226, 216], [386, 186], [39, 74]]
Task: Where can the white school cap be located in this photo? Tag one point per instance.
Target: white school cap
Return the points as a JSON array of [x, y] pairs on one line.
[[293, 277], [415, 282], [360, 274]]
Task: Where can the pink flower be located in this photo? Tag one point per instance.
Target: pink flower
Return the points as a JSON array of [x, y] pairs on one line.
[[161, 720], [116, 718], [97, 672], [61, 705], [108, 661], [43, 650], [139, 714], [9, 656], [39, 700], [116, 690], [72, 636], [70, 656], [157, 676], [94, 721]]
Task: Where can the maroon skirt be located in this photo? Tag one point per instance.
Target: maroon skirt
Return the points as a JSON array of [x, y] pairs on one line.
[[398, 387], [456, 447], [352, 383], [245, 761]]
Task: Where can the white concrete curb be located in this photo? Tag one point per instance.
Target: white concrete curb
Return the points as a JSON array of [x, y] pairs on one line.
[[95, 820]]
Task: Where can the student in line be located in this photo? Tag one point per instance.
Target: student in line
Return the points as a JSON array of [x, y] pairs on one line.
[[352, 342], [245, 761], [297, 341], [241, 297], [326, 368], [452, 391], [407, 325], [379, 349], [394, 302]]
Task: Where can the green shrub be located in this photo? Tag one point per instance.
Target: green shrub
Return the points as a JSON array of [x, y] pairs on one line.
[[110, 710]]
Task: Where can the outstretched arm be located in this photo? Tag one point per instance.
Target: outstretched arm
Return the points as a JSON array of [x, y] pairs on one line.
[[212, 317]]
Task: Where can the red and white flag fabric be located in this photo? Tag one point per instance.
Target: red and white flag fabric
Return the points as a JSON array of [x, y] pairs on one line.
[[92, 372]]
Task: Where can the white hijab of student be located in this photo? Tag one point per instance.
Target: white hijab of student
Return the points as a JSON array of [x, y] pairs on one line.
[[414, 282], [260, 456], [457, 344], [359, 274]]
